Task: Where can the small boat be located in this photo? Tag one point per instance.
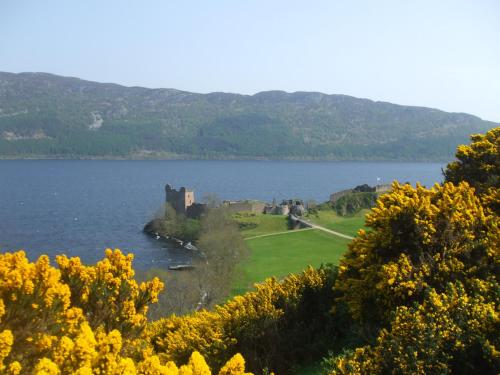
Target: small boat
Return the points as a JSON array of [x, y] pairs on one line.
[[180, 267]]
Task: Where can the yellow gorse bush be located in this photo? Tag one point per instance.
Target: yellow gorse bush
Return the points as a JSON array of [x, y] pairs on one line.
[[108, 293], [255, 324], [420, 239], [424, 339], [80, 319], [479, 165], [422, 284]]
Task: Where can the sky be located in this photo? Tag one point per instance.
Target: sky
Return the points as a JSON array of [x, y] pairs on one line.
[[443, 54]]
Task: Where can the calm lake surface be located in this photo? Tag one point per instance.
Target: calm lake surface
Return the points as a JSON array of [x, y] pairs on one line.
[[81, 207]]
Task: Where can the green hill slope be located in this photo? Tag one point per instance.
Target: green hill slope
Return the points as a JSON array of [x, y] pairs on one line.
[[44, 115]]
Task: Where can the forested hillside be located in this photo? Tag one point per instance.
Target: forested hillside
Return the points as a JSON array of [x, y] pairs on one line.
[[44, 115]]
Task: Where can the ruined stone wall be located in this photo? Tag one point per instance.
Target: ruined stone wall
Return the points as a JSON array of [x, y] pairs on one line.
[[282, 209], [244, 206]]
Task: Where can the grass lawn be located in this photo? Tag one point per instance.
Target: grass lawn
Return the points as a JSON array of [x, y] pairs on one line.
[[258, 224], [347, 225], [287, 253]]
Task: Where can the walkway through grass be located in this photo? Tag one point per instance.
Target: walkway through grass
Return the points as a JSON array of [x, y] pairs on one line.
[[277, 233], [348, 225]]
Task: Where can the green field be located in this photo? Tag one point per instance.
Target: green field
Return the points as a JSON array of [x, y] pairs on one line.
[[259, 224], [282, 254], [347, 225], [291, 252]]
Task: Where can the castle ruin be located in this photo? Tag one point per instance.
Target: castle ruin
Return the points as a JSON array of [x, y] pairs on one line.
[[183, 202]]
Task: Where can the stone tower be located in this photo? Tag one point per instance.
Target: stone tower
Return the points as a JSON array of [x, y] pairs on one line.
[[180, 200]]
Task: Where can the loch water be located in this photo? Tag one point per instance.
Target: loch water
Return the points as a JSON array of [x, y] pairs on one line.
[[81, 207]]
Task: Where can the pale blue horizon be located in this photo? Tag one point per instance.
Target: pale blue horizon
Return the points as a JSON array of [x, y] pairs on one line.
[[442, 54]]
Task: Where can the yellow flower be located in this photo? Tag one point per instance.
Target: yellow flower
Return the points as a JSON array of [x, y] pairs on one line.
[[198, 365], [235, 366], [14, 368], [6, 341], [46, 367]]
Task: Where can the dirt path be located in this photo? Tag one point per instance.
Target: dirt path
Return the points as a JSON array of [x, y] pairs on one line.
[[309, 226], [315, 226]]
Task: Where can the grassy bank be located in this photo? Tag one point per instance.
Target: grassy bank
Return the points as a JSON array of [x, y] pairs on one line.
[[291, 252], [252, 224], [344, 224], [280, 254], [287, 253]]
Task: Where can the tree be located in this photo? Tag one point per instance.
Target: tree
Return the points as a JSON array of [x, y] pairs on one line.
[[181, 297], [222, 249]]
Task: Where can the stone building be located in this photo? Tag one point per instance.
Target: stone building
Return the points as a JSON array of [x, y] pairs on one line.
[[297, 207], [291, 206]]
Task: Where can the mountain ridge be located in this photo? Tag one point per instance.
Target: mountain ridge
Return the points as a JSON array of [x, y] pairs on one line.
[[234, 93], [46, 115]]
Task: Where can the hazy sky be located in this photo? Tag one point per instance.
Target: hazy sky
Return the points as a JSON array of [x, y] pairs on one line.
[[437, 53]]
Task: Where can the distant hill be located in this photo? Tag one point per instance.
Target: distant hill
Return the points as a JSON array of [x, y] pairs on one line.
[[44, 115]]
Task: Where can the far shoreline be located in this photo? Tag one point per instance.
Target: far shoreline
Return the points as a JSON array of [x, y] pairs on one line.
[[198, 158]]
